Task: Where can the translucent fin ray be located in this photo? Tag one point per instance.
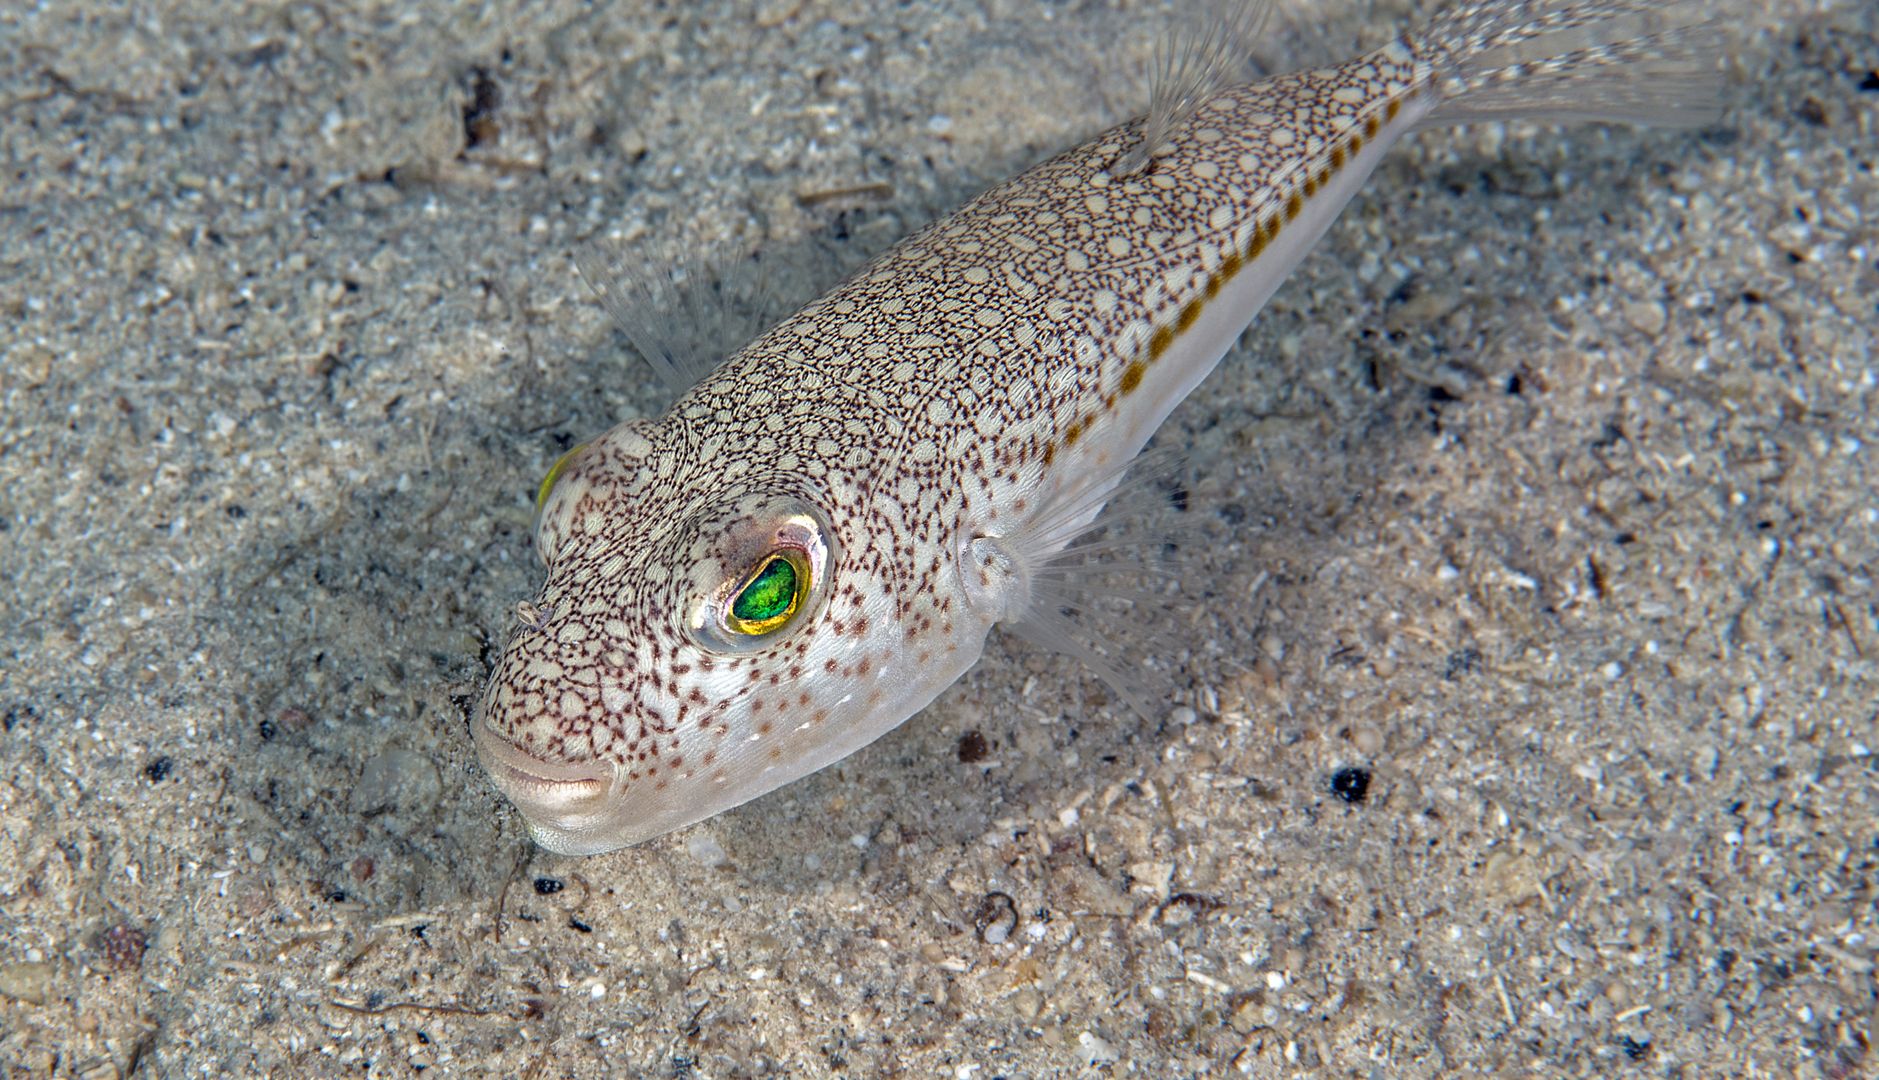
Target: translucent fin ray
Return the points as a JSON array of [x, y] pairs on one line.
[[685, 317], [1191, 65], [1102, 546]]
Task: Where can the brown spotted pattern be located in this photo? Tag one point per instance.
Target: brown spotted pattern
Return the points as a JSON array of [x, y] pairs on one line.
[[947, 391]]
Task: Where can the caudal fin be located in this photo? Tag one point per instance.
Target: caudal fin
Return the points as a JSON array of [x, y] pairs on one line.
[[1641, 61]]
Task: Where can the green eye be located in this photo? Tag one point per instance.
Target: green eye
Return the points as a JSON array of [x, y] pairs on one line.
[[770, 596], [767, 578]]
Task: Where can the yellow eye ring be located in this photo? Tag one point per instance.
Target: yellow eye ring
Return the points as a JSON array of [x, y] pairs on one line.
[[786, 571], [554, 473], [770, 595]]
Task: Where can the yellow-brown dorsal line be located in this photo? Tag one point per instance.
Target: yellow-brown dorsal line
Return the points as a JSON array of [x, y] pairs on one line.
[[1163, 336]]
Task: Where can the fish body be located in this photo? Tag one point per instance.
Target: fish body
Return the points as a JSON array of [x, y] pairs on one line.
[[815, 540]]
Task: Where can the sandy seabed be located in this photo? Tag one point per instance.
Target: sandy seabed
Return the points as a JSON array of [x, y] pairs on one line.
[[1523, 718]]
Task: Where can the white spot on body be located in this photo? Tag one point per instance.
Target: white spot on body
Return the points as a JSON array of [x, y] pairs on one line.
[[573, 706]]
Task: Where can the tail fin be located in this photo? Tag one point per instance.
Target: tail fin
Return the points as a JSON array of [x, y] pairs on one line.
[[1642, 61]]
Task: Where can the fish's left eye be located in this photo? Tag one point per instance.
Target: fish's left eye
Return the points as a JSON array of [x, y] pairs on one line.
[[770, 595], [770, 577]]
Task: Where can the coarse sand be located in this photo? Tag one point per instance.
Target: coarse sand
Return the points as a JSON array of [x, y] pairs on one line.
[[1523, 718]]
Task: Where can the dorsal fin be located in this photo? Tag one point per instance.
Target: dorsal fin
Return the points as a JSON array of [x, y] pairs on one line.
[[1192, 64], [686, 316]]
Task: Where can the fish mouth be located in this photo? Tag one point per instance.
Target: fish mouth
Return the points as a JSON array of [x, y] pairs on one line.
[[549, 794]]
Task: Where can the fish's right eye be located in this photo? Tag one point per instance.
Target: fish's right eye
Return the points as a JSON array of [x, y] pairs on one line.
[[554, 473]]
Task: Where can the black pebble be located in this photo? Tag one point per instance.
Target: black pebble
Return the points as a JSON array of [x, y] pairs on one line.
[[973, 747], [159, 769], [1461, 662], [547, 886], [1351, 784]]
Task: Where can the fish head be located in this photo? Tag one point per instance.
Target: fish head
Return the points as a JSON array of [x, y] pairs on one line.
[[706, 633]]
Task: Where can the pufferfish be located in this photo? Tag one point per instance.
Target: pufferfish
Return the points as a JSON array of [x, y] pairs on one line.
[[816, 539]]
